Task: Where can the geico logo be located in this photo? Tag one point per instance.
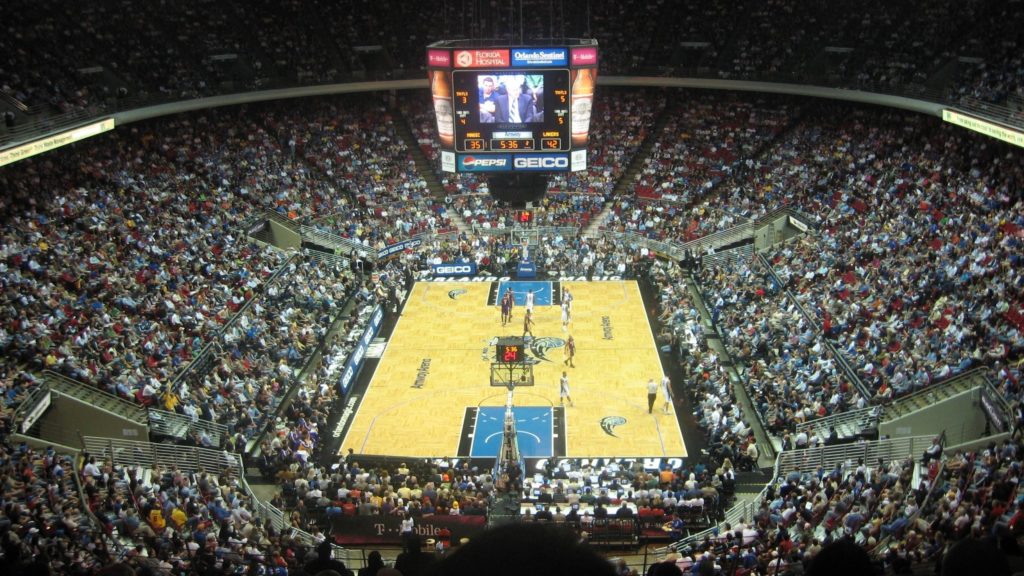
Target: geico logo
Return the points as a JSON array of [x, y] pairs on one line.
[[473, 161], [453, 269], [549, 162]]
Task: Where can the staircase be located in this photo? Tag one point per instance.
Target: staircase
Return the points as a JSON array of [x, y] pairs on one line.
[[935, 393], [95, 397], [180, 427], [426, 168], [846, 424], [750, 484], [622, 186], [764, 440], [728, 257]]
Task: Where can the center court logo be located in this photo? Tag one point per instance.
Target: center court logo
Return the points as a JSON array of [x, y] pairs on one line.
[[453, 294], [608, 424]]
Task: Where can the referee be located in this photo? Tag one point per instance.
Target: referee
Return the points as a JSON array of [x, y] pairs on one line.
[[652, 395]]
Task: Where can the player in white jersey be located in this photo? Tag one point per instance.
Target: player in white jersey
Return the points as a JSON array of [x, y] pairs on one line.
[[563, 390], [666, 390]]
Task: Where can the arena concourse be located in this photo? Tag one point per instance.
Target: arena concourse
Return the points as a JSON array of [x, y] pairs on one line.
[[195, 306]]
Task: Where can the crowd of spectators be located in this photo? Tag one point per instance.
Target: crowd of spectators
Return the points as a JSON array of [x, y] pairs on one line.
[[126, 257], [717, 138], [907, 296], [122, 258], [43, 525]]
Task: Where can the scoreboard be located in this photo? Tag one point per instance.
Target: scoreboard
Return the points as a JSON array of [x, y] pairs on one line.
[[513, 109]]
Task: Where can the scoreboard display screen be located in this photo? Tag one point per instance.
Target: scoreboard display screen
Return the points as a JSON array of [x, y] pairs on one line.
[[513, 109], [500, 112]]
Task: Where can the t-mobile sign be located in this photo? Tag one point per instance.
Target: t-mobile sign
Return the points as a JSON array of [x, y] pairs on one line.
[[440, 58], [584, 56]]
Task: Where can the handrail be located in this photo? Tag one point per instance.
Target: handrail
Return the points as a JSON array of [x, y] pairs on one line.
[[35, 396], [88, 511], [264, 510], [828, 457], [1004, 404], [163, 422], [742, 510], [188, 459], [56, 381], [282, 220], [327, 257], [861, 416], [931, 388], [336, 241]]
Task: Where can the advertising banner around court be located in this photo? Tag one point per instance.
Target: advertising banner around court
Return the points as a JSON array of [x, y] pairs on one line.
[[349, 530], [454, 269], [355, 361], [398, 248]]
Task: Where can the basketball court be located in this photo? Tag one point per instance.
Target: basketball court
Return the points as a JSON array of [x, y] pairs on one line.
[[431, 395]]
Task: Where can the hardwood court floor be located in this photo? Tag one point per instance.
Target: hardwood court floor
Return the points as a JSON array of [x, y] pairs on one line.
[[437, 365]]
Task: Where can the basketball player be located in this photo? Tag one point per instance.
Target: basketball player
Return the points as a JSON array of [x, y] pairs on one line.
[[666, 390], [652, 395], [563, 390], [527, 324], [529, 301], [570, 352], [506, 307], [565, 315]]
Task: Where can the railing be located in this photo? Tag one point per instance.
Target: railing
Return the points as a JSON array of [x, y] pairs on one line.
[[265, 511], [744, 252], [334, 241], [61, 383], [721, 238], [996, 112], [178, 425], [279, 521], [860, 419], [327, 257], [931, 388], [531, 234], [1004, 404], [188, 459], [667, 249], [28, 405], [282, 220], [829, 457], [742, 511]]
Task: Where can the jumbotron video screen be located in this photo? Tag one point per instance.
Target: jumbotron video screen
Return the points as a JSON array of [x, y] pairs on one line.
[[513, 109]]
